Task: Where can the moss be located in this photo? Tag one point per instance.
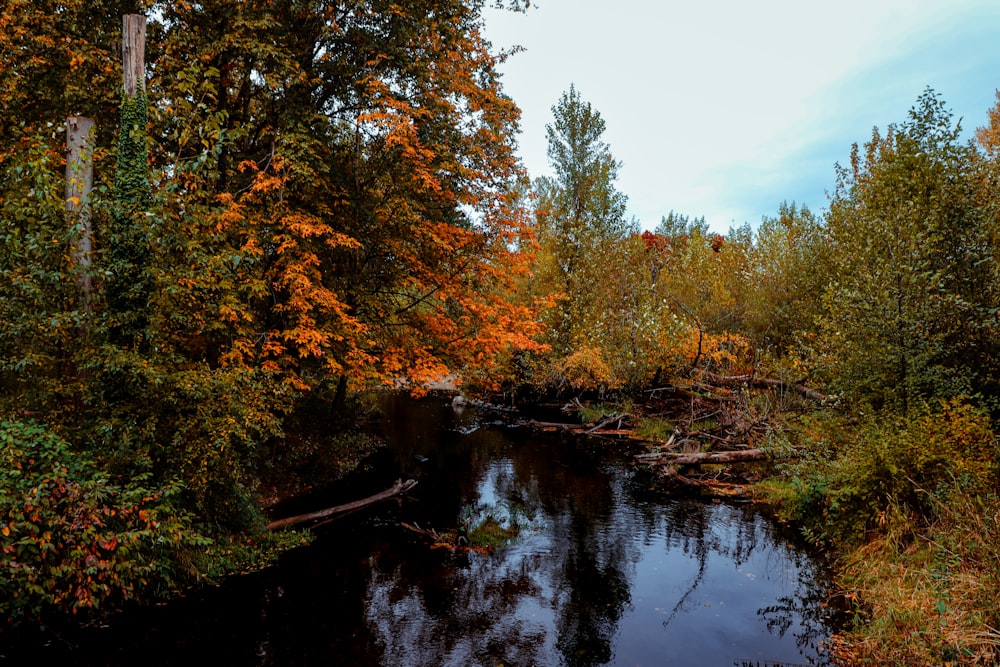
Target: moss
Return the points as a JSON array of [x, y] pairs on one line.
[[491, 533]]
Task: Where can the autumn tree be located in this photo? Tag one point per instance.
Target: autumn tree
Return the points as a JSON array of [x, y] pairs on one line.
[[333, 199], [787, 278], [375, 199], [586, 261]]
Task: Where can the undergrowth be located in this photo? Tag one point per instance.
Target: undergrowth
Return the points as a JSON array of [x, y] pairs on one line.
[[909, 509]]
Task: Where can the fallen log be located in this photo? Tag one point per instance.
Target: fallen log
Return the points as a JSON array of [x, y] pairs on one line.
[[551, 426], [763, 383], [701, 458], [583, 429], [609, 420], [400, 487]]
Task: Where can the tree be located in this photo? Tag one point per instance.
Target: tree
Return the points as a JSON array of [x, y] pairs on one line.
[[787, 279], [579, 218], [375, 197], [910, 312], [332, 196]]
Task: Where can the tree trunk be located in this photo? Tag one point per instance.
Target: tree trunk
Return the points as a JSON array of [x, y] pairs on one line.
[[134, 53], [339, 407], [769, 383], [699, 458], [79, 182]]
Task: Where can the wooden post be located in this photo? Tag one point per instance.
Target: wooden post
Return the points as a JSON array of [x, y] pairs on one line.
[[134, 53], [79, 182]]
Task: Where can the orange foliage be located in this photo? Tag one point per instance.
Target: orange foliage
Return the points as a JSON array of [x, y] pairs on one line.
[[989, 136]]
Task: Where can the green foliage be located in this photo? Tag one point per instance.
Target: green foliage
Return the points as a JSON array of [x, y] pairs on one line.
[[910, 312], [203, 427], [608, 327], [579, 217], [128, 256], [584, 205], [132, 187], [787, 278], [241, 554], [493, 526], [71, 539], [654, 429], [491, 533], [40, 307], [910, 464], [306, 199]]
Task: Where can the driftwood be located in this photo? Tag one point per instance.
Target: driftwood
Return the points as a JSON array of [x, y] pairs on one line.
[[398, 488], [586, 429], [700, 458], [608, 421], [550, 426], [763, 383]]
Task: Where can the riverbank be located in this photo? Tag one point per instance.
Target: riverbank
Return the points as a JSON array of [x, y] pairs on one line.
[[906, 509]]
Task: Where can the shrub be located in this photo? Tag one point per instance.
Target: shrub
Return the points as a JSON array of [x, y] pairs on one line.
[[907, 463], [72, 540]]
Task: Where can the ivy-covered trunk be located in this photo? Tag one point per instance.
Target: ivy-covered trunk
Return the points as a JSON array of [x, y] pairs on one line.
[[129, 283]]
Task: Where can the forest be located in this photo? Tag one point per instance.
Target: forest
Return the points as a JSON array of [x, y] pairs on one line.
[[298, 202]]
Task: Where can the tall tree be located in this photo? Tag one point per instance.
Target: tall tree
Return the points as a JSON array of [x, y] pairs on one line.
[[332, 198], [911, 309], [787, 278], [579, 210], [365, 153]]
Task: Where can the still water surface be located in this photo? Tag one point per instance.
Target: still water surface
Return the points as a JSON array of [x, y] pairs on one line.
[[606, 571]]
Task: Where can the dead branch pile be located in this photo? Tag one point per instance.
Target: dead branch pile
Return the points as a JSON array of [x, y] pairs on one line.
[[717, 421]]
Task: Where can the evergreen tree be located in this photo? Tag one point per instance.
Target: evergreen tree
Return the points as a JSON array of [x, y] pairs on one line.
[[579, 211]]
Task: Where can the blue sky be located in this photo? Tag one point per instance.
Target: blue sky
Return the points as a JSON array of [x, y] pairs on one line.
[[726, 108]]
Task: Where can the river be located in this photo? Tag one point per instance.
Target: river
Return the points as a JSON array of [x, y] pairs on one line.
[[605, 571]]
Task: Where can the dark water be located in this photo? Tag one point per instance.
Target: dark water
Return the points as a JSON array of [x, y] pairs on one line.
[[605, 572]]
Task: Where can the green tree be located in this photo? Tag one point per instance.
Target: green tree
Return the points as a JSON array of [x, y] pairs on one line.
[[787, 279], [580, 220], [910, 312], [332, 196]]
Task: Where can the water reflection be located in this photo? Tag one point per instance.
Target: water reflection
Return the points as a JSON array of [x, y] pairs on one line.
[[607, 575], [605, 572]]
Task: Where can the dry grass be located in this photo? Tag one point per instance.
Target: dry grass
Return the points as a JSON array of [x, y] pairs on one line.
[[927, 596]]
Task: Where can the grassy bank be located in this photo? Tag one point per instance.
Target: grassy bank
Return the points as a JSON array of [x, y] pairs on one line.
[[908, 509]]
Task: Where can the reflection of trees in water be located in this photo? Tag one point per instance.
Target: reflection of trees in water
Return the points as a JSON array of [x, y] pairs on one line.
[[736, 533], [562, 596], [593, 552], [503, 608], [365, 594], [454, 615], [806, 609], [594, 588]]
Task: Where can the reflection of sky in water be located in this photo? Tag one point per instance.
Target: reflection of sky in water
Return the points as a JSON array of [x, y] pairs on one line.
[[600, 578]]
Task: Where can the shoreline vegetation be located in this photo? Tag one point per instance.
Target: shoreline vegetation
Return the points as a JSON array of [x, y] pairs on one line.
[[208, 256], [916, 577]]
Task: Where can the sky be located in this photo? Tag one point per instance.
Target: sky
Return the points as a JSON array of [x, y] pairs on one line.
[[727, 108]]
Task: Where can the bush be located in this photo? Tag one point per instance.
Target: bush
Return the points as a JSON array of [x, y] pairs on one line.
[[911, 464], [72, 540]]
